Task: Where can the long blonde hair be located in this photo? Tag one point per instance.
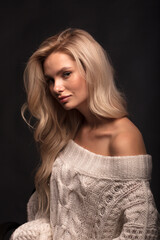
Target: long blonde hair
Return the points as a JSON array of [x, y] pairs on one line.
[[54, 125]]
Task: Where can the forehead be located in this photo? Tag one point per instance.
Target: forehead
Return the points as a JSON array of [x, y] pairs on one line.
[[56, 61]]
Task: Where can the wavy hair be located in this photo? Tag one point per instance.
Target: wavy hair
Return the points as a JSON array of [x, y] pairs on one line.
[[54, 125]]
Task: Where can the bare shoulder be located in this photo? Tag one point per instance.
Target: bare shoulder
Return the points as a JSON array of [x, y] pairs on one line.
[[127, 139]]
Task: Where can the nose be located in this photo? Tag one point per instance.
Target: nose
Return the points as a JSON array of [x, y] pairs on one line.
[[58, 87]]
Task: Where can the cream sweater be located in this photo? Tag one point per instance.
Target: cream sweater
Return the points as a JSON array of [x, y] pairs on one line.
[[95, 197]]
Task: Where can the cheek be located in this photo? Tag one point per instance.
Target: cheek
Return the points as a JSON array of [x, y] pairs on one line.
[[83, 87], [82, 91], [79, 84], [51, 90]]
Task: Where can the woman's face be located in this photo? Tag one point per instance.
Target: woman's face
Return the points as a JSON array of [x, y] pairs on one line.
[[65, 82]]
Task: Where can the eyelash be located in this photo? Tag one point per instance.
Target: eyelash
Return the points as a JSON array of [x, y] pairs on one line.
[[64, 75]]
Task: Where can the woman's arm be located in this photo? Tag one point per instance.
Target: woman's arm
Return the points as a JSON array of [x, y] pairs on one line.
[[141, 219], [32, 207], [37, 227]]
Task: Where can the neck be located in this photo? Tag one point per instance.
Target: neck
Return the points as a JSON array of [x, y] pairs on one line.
[[91, 120]]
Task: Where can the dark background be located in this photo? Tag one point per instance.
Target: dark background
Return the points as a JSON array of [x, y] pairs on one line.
[[127, 29]]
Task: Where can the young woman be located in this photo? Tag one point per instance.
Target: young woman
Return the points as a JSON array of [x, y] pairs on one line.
[[93, 180]]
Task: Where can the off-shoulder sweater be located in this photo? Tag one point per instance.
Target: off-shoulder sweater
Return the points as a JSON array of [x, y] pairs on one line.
[[95, 197]]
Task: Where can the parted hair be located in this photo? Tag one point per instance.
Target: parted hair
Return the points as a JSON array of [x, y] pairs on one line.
[[54, 125]]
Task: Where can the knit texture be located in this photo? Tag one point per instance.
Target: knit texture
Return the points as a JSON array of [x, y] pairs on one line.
[[95, 197], [34, 230]]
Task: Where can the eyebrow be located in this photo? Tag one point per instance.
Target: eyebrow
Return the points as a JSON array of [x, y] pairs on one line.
[[59, 72]]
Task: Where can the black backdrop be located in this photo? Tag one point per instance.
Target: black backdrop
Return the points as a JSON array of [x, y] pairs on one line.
[[127, 29]]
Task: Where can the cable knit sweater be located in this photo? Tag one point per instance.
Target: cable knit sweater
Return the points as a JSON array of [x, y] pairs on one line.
[[95, 197]]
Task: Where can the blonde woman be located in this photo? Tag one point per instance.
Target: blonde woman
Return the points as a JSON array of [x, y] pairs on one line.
[[93, 179]]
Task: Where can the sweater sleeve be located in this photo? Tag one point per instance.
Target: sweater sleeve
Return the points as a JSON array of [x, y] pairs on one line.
[[32, 207], [141, 220], [38, 226], [38, 229]]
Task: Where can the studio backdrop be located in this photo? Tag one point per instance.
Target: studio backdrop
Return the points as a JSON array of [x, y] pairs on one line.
[[129, 32]]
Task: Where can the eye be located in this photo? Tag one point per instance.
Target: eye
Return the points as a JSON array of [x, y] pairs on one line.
[[50, 80], [66, 74]]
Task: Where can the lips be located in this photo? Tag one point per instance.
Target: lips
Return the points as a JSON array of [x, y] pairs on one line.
[[64, 98]]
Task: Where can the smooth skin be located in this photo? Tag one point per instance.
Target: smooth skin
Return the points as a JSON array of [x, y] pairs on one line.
[[108, 137]]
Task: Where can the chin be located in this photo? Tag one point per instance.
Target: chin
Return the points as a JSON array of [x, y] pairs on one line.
[[66, 107], [69, 106]]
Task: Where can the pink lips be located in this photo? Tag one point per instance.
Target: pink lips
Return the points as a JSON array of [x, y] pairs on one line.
[[63, 99]]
